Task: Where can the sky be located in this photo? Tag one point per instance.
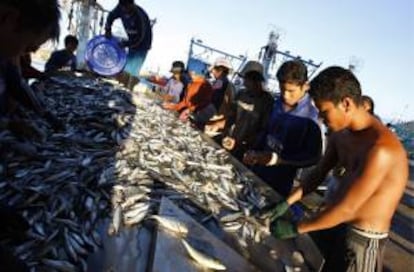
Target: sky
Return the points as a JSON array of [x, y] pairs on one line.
[[379, 34]]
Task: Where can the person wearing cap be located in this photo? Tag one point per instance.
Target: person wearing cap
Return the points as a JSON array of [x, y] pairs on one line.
[[250, 112], [138, 27], [175, 85], [293, 138], [194, 104], [223, 96]]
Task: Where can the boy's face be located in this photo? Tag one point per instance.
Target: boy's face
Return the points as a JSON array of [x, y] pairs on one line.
[[335, 117], [19, 41], [292, 93], [72, 47]]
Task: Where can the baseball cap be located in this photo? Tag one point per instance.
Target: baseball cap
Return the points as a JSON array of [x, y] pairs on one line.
[[252, 66], [222, 62]]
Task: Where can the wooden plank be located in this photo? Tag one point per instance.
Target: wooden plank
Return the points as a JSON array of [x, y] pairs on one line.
[[170, 254]]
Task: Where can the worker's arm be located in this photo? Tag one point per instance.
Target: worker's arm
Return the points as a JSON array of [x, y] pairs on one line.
[[112, 16]]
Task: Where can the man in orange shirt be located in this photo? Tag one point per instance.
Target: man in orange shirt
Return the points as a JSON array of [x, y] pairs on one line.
[[195, 102]]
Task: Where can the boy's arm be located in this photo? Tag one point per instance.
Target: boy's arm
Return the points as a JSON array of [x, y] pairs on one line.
[[378, 163]]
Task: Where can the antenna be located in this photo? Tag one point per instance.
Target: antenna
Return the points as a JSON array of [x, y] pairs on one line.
[[355, 64]]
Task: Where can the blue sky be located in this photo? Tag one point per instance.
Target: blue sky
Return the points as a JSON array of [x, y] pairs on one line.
[[379, 33]]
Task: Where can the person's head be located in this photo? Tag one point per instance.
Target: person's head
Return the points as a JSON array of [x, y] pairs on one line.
[[177, 69], [293, 81], [252, 74], [368, 104], [26, 24], [337, 95], [221, 68], [127, 5], [71, 43]]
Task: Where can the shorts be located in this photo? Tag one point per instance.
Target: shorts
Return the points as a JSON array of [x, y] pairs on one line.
[[135, 60], [364, 250]]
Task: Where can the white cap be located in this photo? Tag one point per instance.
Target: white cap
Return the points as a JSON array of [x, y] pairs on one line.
[[223, 62]]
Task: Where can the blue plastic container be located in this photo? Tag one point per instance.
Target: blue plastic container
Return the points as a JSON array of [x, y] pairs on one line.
[[104, 56]]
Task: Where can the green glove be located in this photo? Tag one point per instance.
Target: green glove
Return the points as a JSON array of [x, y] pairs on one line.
[[276, 211], [283, 229]]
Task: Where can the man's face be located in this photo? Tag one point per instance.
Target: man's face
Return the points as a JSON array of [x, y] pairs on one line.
[[19, 41], [335, 117], [292, 93], [215, 72], [248, 83]]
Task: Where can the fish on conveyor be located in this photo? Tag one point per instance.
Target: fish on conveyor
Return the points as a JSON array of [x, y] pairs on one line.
[[171, 223], [202, 259]]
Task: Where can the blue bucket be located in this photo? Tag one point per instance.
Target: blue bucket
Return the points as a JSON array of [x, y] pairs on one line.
[[104, 56]]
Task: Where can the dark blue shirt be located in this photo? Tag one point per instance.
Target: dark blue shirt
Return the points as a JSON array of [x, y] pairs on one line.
[[60, 59], [137, 26], [296, 137]]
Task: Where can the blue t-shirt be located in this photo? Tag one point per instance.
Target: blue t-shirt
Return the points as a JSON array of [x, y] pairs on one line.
[[137, 26], [60, 59], [295, 136]]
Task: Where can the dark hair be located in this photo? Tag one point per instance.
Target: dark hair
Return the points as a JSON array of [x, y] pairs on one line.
[[254, 75], [293, 71], [125, 2], [37, 15], [367, 99], [334, 84], [71, 39]]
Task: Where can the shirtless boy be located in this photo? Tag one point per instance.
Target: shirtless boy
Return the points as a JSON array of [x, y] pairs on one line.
[[374, 163]]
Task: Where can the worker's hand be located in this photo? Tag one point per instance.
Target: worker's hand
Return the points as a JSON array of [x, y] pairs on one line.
[[184, 115], [228, 143], [108, 33], [282, 229], [210, 128], [167, 105], [274, 212], [252, 157]]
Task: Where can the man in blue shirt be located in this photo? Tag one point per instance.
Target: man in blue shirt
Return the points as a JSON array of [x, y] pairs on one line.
[[63, 58], [293, 137], [137, 25]]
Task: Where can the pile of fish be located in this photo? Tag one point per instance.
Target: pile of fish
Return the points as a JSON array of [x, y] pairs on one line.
[[116, 156]]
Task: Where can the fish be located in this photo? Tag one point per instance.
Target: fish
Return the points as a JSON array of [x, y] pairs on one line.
[[203, 259], [113, 160], [171, 224]]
